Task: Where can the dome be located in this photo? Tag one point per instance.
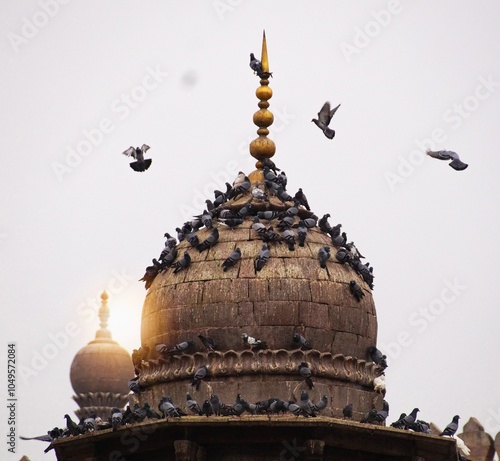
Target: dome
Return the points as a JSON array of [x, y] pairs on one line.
[[101, 370], [291, 294]]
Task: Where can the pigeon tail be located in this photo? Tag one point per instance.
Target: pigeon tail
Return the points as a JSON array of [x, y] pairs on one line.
[[458, 165], [329, 133], [141, 166]]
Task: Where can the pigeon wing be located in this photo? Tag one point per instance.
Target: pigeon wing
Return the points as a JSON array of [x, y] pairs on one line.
[[144, 148], [324, 114], [130, 152]]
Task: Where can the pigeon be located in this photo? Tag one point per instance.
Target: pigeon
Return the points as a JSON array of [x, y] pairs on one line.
[[464, 449], [283, 195], [271, 235], [347, 411], [356, 290], [320, 405], [253, 343], [89, 424], [206, 219], [455, 163], [421, 426], [167, 408], [286, 222], [352, 249], [199, 374], [192, 238], [256, 66], [244, 210], [182, 263], [151, 273], [168, 259], [48, 437], [232, 222], [193, 405], [302, 342], [267, 162], [377, 357], [400, 423], [324, 118], [381, 415], [150, 413], [181, 347], [324, 225], [370, 417], [134, 385], [277, 406], [305, 404], [268, 215], [410, 419], [215, 403], [71, 426], [237, 409], [451, 428], [343, 256], [141, 164], [207, 408], [305, 372], [258, 227], [116, 418], [302, 199], [232, 259], [208, 342], [243, 187], [295, 409], [302, 233], [339, 240], [379, 384], [259, 194], [171, 242], [220, 198], [282, 179], [311, 221], [210, 241], [323, 255], [262, 258], [289, 238]]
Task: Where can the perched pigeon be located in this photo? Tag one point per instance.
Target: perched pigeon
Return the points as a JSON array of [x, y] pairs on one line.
[[262, 258], [421, 426], [295, 409], [206, 219], [382, 414], [89, 424], [216, 404], [71, 426], [302, 199], [259, 194], [356, 290], [302, 233], [343, 256], [182, 263], [116, 418], [267, 162], [193, 406], [232, 259], [253, 343], [268, 215], [199, 374], [256, 66], [323, 256], [207, 408], [151, 273], [305, 404], [302, 342], [370, 417], [140, 164], [451, 428], [289, 238], [410, 419], [377, 357], [455, 163], [150, 413], [306, 373], [320, 405], [210, 241], [324, 225], [347, 411], [134, 385], [181, 347], [400, 422], [324, 117], [208, 342], [168, 409]]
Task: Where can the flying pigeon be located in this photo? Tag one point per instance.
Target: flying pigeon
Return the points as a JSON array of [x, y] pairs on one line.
[[323, 255], [253, 343], [305, 372], [455, 163], [302, 342], [140, 164], [210, 241], [232, 259], [256, 66], [199, 374], [182, 263], [356, 290], [324, 117], [193, 406], [262, 258], [208, 342], [451, 428], [377, 357], [347, 411]]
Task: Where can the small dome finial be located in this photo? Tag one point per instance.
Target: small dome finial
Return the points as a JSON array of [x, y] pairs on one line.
[[262, 147], [104, 316]]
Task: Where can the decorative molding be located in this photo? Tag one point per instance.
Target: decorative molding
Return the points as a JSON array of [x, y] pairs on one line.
[[101, 399], [269, 362]]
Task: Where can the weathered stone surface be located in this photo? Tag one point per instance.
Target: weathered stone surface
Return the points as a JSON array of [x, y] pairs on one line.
[[481, 444]]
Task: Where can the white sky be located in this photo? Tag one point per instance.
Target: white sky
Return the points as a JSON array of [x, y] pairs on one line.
[[425, 70]]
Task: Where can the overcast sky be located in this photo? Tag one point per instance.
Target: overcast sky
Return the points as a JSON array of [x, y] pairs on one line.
[[83, 81]]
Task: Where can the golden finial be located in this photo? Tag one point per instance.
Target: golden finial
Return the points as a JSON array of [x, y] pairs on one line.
[[262, 147], [104, 311]]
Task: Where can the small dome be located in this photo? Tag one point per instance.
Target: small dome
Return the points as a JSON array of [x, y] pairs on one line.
[[102, 365]]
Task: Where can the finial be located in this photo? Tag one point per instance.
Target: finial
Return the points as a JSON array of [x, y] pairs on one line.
[[262, 147], [104, 311]]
